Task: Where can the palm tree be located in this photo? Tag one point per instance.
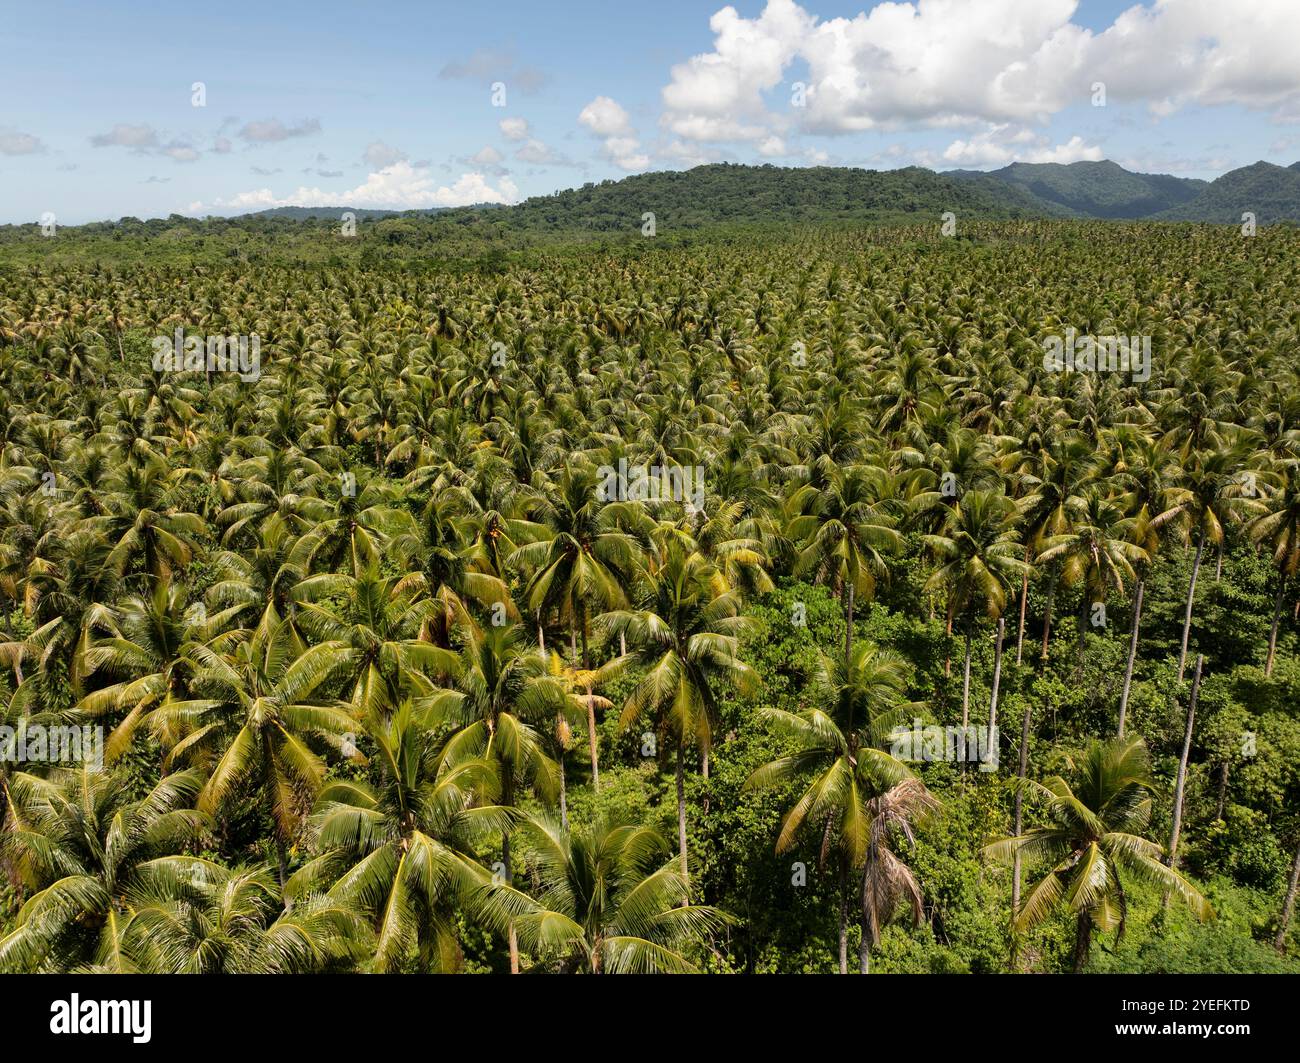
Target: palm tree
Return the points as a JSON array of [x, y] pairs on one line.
[[1097, 552], [248, 722], [843, 530], [502, 694], [83, 844], [685, 634], [842, 748], [978, 564], [1216, 496], [194, 916], [1278, 531], [1092, 841], [583, 560], [606, 904], [400, 851]]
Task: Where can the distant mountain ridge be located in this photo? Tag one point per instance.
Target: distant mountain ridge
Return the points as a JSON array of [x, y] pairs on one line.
[[1098, 189], [733, 193]]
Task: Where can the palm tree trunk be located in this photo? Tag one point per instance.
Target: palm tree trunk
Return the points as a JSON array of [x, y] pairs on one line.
[[848, 630], [1223, 789], [1272, 635], [844, 915], [864, 947], [564, 796], [1082, 941], [1019, 814], [268, 785], [541, 638], [507, 799], [1191, 595], [965, 696], [681, 809], [1218, 565], [1181, 782], [1024, 601], [1132, 656], [591, 738], [1288, 904], [1047, 613], [997, 681]]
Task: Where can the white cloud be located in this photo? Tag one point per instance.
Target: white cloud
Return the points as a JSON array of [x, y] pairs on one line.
[[124, 135], [538, 153], [605, 117], [12, 142], [397, 187], [514, 128], [144, 140], [962, 63], [1005, 144], [379, 155], [272, 130], [489, 156]]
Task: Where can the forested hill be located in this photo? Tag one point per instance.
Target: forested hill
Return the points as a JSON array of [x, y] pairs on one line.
[[748, 194], [683, 203]]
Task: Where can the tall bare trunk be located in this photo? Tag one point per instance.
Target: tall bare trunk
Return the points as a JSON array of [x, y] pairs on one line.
[[1277, 616], [1288, 904], [844, 915], [1019, 814], [864, 947], [1191, 597], [564, 794], [1047, 613], [507, 799], [591, 738], [997, 680], [1181, 782], [965, 696], [1024, 601], [681, 808], [1082, 941], [848, 629], [1132, 656]]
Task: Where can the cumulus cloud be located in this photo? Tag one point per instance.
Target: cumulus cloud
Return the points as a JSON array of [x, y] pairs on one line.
[[397, 187], [609, 121], [143, 139], [379, 155], [489, 65], [489, 156], [962, 63], [605, 117], [272, 130], [514, 128], [538, 153], [1004, 144], [124, 135], [13, 142]]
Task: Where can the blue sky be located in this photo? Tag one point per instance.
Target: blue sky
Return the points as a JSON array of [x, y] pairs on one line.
[[390, 104]]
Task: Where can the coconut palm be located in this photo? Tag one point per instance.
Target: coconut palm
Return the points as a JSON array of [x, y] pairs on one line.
[[1092, 841], [606, 903], [684, 633]]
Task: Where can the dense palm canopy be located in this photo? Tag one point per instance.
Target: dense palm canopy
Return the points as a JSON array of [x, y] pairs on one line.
[[390, 680]]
